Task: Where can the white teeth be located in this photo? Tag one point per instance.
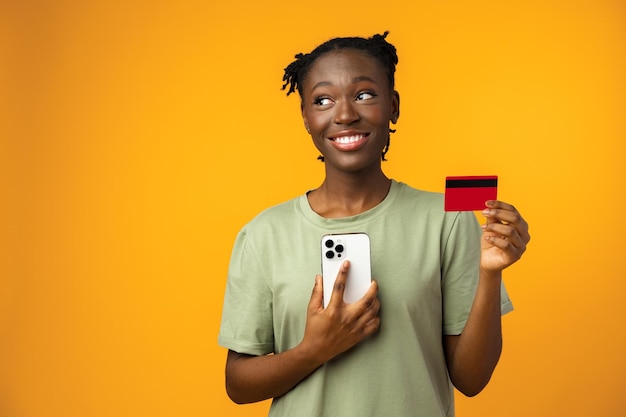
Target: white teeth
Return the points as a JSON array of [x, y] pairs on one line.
[[348, 139]]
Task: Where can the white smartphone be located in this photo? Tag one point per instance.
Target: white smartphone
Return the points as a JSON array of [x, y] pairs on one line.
[[354, 247]]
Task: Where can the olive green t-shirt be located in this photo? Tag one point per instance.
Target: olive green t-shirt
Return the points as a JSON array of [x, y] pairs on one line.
[[425, 261]]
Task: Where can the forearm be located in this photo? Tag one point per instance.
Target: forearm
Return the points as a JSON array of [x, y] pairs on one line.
[[257, 378], [329, 331], [472, 356]]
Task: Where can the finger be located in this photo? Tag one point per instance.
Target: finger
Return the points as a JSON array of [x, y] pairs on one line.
[[506, 213], [371, 312], [339, 287], [504, 231], [501, 215], [317, 296], [497, 204], [369, 298], [370, 319], [371, 326], [506, 246]]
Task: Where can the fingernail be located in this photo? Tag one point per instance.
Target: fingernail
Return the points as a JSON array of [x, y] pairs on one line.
[[486, 212], [490, 203]]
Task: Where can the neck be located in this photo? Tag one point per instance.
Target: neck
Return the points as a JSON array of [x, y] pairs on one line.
[[345, 194]]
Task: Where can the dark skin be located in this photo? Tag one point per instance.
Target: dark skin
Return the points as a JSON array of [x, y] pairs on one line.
[[339, 102], [347, 106]]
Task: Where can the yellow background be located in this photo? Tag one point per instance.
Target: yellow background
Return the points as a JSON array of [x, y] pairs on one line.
[[139, 136]]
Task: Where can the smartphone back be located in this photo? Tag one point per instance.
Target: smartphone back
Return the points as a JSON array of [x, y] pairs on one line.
[[354, 247]]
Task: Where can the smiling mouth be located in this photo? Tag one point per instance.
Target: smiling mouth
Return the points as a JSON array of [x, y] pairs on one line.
[[345, 140]]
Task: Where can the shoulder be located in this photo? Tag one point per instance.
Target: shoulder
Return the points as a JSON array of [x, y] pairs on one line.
[[265, 227], [410, 196], [280, 215], [429, 205]]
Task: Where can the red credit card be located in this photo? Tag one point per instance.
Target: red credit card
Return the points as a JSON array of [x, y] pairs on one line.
[[470, 193]]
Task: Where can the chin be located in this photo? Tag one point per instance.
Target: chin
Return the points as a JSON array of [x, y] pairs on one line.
[[353, 165]]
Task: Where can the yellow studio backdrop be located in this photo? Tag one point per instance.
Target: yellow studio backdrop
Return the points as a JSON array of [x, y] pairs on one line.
[[139, 136]]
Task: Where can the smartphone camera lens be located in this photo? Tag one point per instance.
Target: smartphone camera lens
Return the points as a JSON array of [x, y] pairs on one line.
[[330, 254], [339, 248], [329, 243]]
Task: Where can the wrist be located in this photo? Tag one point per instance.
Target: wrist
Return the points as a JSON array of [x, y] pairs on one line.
[[493, 276], [308, 355]]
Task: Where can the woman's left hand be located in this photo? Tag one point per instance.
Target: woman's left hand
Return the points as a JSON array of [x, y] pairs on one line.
[[505, 236]]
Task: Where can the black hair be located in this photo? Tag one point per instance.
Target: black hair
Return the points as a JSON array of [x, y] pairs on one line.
[[376, 46]]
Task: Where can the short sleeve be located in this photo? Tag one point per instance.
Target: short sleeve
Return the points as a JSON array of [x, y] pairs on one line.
[[246, 325], [460, 268]]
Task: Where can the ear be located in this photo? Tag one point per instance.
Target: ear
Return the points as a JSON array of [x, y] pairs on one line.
[[395, 107], [304, 119]]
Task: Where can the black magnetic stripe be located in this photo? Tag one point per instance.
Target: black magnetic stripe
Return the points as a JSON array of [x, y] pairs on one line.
[[471, 183]]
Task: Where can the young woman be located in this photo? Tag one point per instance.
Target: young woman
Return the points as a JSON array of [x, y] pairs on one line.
[[431, 317]]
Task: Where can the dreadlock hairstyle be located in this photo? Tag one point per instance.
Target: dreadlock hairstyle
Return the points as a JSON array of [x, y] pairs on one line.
[[376, 46]]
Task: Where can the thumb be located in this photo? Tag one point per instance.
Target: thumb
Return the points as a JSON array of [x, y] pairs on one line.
[[317, 297]]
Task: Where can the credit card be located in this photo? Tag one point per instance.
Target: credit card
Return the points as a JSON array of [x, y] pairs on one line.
[[469, 193]]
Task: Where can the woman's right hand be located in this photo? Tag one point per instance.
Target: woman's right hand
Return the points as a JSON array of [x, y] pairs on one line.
[[328, 333], [338, 327]]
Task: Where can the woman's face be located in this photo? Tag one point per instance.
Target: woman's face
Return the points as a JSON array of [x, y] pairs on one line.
[[347, 104]]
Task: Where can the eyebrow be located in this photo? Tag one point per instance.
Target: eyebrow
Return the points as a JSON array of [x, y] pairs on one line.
[[354, 81]]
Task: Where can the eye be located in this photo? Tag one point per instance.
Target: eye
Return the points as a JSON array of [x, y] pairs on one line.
[[322, 101], [365, 95]]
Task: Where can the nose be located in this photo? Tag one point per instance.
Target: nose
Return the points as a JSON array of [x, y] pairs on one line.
[[346, 112]]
